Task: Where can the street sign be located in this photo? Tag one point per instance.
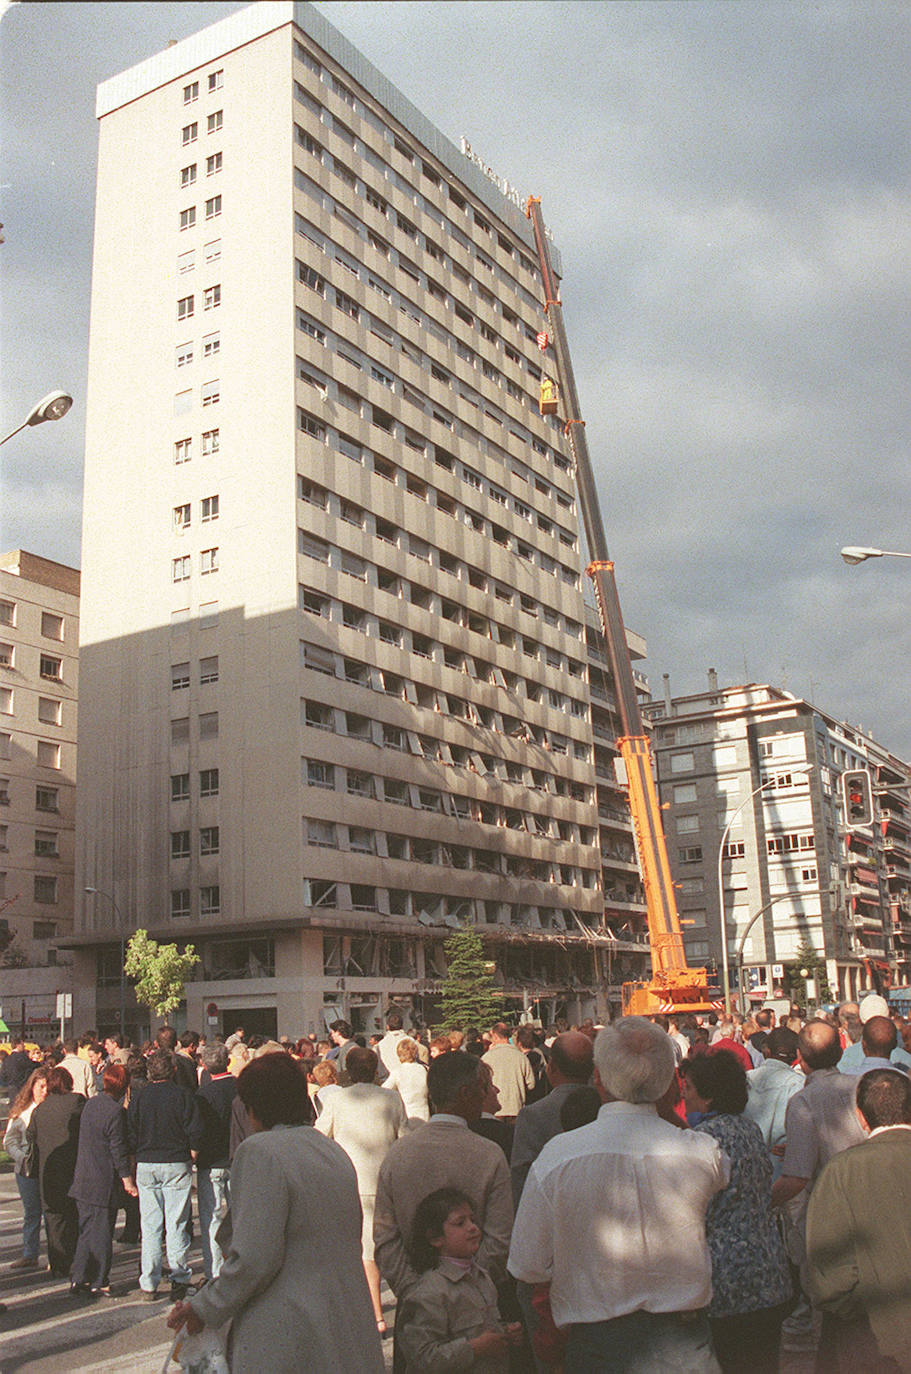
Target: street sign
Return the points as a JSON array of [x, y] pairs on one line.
[[64, 1006], [778, 970]]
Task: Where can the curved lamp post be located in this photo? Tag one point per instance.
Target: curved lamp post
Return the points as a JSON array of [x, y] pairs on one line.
[[726, 977], [779, 897], [97, 892], [52, 407], [858, 555]]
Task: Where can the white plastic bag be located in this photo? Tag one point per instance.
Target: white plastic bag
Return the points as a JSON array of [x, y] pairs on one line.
[[200, 1354]]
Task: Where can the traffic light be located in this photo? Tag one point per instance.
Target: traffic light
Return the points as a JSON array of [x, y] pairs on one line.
[[857, 795]]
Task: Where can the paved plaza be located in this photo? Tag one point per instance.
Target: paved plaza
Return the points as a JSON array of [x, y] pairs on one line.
[[45, 1331]]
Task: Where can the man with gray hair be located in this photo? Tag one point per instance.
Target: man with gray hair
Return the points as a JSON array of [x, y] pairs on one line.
[[612, 1216]]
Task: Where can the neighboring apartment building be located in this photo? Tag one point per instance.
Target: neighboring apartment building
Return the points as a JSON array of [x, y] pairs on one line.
[[39, 661], [334, 652], [770, 764]]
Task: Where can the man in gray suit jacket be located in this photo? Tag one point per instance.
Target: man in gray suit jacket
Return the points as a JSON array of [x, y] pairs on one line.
[[569, 1067], [444, 1153], [859, 1236]]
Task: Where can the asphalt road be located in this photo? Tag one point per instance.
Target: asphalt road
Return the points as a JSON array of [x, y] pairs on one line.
[[45, 1331]]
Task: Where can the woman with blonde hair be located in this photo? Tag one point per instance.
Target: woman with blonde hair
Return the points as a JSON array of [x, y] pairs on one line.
[[15, 1142], [409, 1077]]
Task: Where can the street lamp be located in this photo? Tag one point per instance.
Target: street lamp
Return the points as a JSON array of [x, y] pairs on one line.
[[52, 407], [741, 943], [857, 555], [97, 892], [726, 978]]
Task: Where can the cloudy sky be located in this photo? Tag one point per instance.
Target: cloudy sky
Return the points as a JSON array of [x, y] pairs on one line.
[[729, 185]]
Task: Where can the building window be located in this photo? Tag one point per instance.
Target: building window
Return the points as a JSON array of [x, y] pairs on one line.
[[48, 754], [51, 668], [188, 176], [8, 613], [45, 890], [322, 834], [320, 774], [180, 844], [310, 277], [208, 839], [180, 902], [50, 712], [208, 561], [208, 670], [347, 305], [188, 217], [183, 450], [184, 354], [191, 93], [212, 250], [189, 133], [7, 656], [180, 730], [6, 744], [213, 206], [682, 763], [209, 901], [180, 568], [208, 782], [208, 725], [690, 855], [310, 424], [46, 846], [211, 344], [210, 442], [4, 791], [217, 79], [211, 297], [180, 676], [180, 787], [215, 121], [182, 516], [185, 308], [211, 393], [47, 799], [51, 625]]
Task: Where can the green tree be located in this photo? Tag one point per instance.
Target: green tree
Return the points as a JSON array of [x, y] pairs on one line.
[[470, 996], [160, 971], [807, 958]]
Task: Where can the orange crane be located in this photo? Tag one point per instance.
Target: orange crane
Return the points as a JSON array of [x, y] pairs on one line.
[[673, 986]]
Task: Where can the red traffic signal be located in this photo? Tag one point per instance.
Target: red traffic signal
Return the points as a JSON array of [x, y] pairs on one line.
[[857, 796]]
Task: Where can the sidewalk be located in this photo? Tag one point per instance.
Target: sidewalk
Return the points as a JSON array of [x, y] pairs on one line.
[[45, 1331]]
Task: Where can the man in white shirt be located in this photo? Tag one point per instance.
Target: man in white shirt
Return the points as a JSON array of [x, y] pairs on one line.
[[388, 1047], [79, 1069], [613, 1218]]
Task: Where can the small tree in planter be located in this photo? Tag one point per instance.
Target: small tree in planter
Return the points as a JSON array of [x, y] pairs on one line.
[[160, 971]]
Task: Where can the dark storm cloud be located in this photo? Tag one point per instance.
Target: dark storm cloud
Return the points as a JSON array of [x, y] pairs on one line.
[[729, 186]]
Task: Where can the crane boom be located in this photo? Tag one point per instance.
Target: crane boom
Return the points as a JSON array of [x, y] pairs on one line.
[[673, 983]]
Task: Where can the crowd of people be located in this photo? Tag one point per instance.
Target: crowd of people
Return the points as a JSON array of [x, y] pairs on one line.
[[664, 1193]]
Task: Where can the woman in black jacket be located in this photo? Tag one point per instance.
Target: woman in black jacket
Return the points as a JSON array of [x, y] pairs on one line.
[[102, 1164], [54, 1129]]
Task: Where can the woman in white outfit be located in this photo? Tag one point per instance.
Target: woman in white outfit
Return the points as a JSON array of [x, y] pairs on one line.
[[409, 1078]]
